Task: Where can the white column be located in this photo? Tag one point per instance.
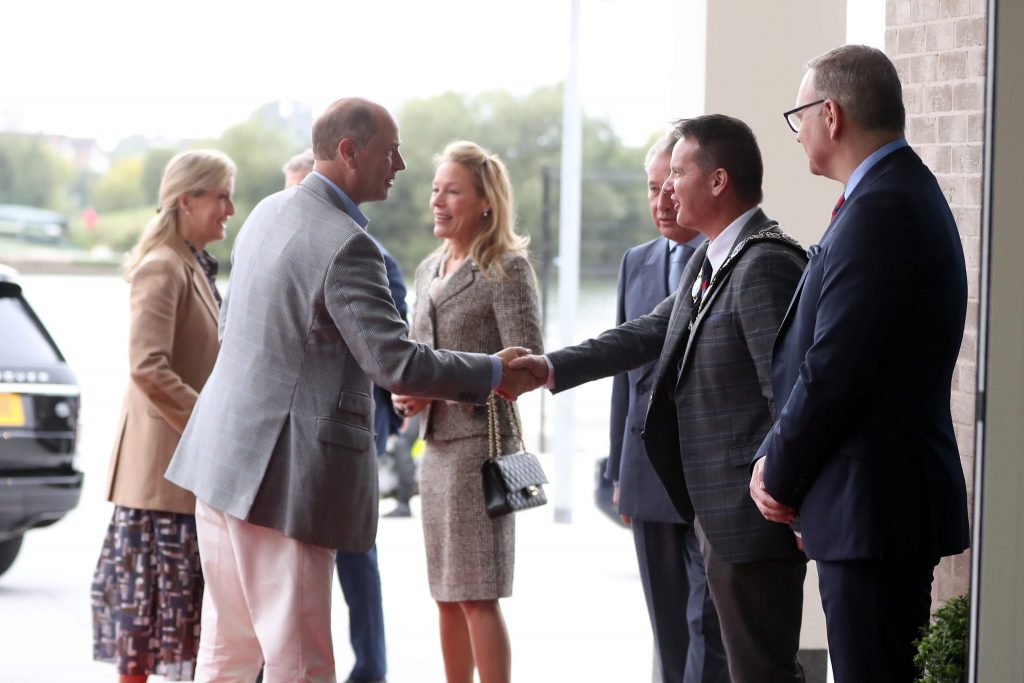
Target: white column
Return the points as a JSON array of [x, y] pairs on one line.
[[568, 261]]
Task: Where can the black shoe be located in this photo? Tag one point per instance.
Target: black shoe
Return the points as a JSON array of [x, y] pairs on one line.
[[402, 510]]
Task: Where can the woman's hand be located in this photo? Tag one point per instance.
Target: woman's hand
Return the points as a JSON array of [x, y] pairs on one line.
[[407, 406]]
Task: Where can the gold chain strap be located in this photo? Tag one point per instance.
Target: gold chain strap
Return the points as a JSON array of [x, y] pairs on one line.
[[493, 438]]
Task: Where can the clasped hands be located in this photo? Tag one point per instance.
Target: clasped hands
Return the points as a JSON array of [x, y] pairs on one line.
[[520, 372], [773, 510]]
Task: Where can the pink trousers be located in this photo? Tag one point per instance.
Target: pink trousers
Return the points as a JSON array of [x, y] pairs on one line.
[[267, 603]]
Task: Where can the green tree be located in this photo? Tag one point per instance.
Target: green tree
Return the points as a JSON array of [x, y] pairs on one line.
[[258, 146], [31, 172], [121, 187], [526, 132], [152, 171]]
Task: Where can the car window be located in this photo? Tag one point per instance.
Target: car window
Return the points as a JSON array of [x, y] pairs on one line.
[[22, 343]]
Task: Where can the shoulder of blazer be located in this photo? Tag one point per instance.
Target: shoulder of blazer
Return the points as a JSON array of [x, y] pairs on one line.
[[903, 159], [320, 189], [770, 234], [174, 251], [646, 252], [426, 270]]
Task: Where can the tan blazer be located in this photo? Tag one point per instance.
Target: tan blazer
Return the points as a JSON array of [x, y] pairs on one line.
[[171, 351], [478, 314]]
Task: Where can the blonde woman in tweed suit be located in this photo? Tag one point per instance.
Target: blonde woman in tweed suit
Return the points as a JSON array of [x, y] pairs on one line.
[[477, 292]]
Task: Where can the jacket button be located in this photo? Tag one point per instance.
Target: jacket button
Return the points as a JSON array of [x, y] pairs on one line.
[[643, 434]]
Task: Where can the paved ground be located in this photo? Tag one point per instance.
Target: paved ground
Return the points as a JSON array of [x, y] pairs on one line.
[[577, 613]]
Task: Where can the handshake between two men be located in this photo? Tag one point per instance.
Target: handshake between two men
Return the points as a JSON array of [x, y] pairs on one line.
[[521, 372]]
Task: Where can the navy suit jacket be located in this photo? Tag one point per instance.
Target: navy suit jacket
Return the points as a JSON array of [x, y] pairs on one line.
[[864, 445], [642, 286], [385, 420]]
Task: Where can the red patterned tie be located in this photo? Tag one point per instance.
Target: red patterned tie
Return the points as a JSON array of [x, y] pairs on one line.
[[842, 198]]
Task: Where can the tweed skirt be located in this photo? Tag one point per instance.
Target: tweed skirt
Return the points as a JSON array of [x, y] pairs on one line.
[[147, 594], [469, 555]]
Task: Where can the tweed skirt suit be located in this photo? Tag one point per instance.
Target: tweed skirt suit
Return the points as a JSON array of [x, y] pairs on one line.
[[469, 555]]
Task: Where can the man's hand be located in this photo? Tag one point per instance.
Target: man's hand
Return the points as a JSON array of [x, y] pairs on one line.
[[536, 366], [615, 502], [773, 510], [407, 406], [515, 380]]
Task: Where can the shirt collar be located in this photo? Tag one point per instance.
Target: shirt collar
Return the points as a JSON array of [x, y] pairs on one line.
[[873, 158], [692, 243], [721, 246], [350, 206]]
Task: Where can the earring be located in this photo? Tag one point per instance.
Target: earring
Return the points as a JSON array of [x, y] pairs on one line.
[[487, 213]]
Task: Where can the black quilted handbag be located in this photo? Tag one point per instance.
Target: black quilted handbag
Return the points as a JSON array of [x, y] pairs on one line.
[[512, 482]]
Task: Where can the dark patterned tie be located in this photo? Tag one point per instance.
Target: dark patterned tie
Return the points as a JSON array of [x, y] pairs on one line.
[[701, 291], [705, 276], [842, 198]]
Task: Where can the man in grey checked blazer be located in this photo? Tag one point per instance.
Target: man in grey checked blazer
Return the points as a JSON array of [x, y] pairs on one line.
[[684, 622], [712, 398], [280, 450]]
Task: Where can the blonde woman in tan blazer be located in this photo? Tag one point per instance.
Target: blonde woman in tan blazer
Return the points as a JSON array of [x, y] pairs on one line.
[[148, 588], [477, 293]]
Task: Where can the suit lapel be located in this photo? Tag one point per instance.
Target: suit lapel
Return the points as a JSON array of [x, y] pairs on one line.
[[459, 280], [680, 318], [900, 156], [653, 274], [199, 282], [719, 282]]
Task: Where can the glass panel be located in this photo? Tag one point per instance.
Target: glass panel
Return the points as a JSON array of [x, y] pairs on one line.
[[22, 343]]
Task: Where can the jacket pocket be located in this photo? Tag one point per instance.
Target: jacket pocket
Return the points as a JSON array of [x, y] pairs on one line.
[[355, 403], [350, 436]]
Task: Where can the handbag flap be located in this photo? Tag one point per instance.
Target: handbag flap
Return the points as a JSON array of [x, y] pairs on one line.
[[521, 470]]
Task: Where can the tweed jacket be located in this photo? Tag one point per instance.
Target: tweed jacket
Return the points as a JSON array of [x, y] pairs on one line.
[[282, 433], [642, 286], [712, 400], [172, 346], [479, 312]]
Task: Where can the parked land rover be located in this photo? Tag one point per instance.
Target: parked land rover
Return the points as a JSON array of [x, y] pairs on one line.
[[39, 400]]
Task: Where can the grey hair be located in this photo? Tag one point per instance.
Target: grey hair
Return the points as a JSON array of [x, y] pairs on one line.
[[663, 146], [300, 162], [864, 82]]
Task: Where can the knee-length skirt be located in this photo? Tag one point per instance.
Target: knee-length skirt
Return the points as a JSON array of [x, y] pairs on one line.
[[469, 555]]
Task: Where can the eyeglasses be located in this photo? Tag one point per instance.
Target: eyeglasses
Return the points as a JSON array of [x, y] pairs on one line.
[[791, 116]]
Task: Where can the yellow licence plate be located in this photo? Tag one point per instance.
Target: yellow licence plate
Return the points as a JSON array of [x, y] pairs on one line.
[[12, 414]]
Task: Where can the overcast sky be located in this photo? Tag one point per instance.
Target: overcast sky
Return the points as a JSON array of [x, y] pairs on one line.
[[112, 68]]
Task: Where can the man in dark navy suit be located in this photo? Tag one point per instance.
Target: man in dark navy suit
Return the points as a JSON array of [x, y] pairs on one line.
[[683, 617], [863, 449]]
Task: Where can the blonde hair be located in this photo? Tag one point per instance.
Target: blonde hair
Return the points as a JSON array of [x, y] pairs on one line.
[[193, 173], [496, 235]]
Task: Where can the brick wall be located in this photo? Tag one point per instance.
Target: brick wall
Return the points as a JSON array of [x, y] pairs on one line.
[[938, 47]]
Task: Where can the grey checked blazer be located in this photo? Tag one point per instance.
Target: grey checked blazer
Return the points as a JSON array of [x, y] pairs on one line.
[[479, 313], [281, 435], [706, 421]]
